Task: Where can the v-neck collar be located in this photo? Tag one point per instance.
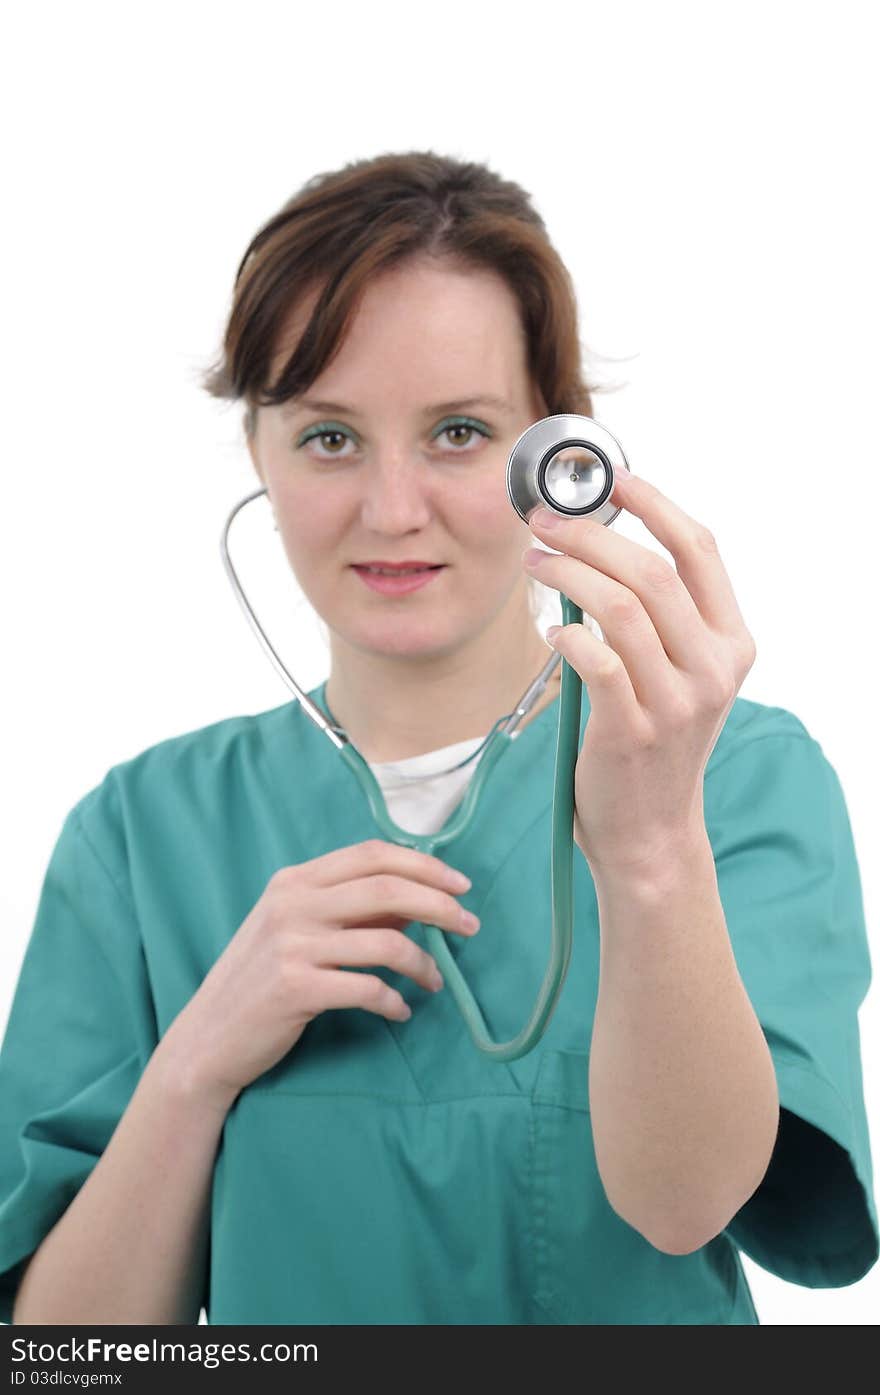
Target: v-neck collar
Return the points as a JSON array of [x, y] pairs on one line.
[[325, 807], [322, 807]]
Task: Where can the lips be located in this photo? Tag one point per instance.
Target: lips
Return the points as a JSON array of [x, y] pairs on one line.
[[411, 566], [399, 582], [380, 569]]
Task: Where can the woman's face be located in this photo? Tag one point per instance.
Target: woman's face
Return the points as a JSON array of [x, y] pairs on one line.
[[385, 458]]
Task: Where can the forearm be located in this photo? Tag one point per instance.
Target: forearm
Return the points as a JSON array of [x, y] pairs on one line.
[[683, 1095], [131, 1246]]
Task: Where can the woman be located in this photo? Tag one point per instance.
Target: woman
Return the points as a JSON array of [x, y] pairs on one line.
[[227, 1022]]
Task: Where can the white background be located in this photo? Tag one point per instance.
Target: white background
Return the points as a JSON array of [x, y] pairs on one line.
[[708, 173]]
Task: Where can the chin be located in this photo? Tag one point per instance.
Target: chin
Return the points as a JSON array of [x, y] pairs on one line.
[[397, 637]]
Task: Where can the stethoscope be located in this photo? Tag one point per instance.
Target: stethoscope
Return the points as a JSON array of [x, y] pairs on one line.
[[565, 463]]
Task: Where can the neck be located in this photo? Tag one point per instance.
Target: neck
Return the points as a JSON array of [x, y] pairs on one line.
[[396, 706]]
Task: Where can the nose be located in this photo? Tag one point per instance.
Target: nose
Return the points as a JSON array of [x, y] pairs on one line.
[[395, 496]]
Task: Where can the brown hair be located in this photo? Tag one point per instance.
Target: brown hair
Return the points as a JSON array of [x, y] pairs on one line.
[[344, 226]]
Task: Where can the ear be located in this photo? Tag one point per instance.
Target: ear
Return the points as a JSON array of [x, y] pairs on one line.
[[539, 406], [250, 441]]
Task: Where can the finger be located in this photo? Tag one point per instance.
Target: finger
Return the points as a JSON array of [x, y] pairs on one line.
[[693, 546], [630, 570], [343, 989], [605, 676], [375, 855], [372, 896], [389, 948], [698, 564], [625, 623]]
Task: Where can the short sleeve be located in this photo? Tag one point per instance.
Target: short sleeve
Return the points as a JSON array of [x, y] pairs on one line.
[[789, 882], [80, 1031]]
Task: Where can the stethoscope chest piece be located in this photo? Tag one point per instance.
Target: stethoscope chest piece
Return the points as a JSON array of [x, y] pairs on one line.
[[565, 463]]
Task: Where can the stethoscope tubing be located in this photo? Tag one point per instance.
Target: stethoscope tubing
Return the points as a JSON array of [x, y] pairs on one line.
[[561, 859], [532, 455]]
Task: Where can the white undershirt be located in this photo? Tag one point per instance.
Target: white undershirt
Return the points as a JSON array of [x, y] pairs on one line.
[[423, 806]]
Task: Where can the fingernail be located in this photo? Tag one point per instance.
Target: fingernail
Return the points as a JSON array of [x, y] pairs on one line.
[[534, 556], [458, 879], [545, 519], [469, 921]]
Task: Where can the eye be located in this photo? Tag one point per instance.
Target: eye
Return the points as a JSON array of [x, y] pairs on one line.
[[451, 426], [333, 436], [329, 431]]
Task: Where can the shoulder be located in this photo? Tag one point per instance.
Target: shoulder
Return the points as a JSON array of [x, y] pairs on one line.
[[765, 754], [189, 771], [768, 768], [749, 723]]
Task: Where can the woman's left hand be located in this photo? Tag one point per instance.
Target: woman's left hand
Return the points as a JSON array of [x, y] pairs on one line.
[[675, 653]]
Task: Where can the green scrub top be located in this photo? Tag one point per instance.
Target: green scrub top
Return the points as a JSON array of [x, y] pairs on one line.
[[387, 1172]]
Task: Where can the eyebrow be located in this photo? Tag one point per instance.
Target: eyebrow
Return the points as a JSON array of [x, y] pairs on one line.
[[318, 405]]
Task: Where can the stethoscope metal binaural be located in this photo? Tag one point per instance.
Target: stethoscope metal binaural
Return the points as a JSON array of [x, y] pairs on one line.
[[566, 463]]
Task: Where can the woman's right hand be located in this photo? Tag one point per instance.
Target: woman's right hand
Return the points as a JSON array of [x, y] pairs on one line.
[[284, 964]]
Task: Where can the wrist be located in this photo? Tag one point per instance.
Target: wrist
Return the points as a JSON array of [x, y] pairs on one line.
[[183, 1075], [653, 875]]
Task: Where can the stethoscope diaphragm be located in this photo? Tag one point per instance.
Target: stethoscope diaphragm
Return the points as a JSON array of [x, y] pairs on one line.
[[565, 463]]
